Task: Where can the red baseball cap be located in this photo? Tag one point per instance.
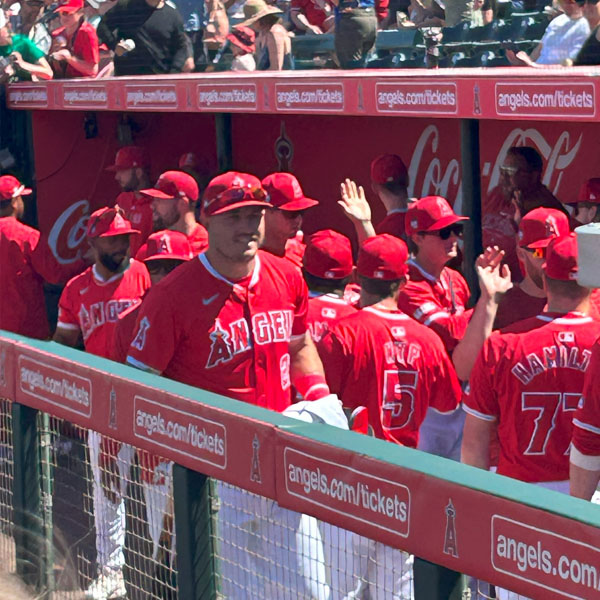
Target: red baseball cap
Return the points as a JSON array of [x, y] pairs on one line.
[[165, 244], [590, 191], [328, 255], [174, 184], [129, 157], [11, 187], [233, 190], [431, 213], [389, 168], [383, 257], [561, 258], [541, 225], [70, 6], [285, 192], [107, 222]]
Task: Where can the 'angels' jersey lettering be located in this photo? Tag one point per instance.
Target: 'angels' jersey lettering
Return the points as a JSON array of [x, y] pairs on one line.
[[386, 361], [529, 378], [93, 306], [237, 344]]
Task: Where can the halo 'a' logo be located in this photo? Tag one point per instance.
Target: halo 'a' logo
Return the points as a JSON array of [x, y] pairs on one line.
[[443, 206], [255, 471], [551, 227], [164, 245], [450, 541]]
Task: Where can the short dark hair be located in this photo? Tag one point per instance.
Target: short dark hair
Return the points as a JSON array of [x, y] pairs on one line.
[[567, 289], [324, 285], [530, 155], [380, 287], [396, 187]]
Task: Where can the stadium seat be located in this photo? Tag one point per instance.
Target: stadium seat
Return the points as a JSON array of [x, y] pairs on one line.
[[458, 33], [308, 46], [398, 39]]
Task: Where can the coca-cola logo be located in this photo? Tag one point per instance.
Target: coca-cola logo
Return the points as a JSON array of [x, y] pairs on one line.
[[556, 158], [68, 232]]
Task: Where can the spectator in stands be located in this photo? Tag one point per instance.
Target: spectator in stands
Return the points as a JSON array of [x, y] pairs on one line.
[[146, 35], [586, 208], [389, 181], [312, 16], [22, 59], [562, 40], [31, 11], [216, 29], [241, 41], [273, 42], [94, 9], [75, 47], [590, 51], [457, 11]]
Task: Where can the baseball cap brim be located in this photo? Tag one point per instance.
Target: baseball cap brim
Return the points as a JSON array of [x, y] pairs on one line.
[[127, 231], [240, 204], [26, 192], [68, 9], [300, 204], [444, 222], [154, 193], [166, 257], [540, 243]]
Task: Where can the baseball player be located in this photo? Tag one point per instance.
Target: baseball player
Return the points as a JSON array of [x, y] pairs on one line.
[[327, 267], [381, 358], [89, 308], [174, 200], [25, 261], [528, 298], [283, 222], [248, 341], [585, 448], [131, 169], [389, 181]]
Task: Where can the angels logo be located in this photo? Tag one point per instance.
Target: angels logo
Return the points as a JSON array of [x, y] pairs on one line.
[[255, 471], [164, 245], [443, 206], [227, 342], [551, 227], [450, 542]]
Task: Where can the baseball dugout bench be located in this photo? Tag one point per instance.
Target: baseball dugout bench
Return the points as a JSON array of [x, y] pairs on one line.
[[455, 518]]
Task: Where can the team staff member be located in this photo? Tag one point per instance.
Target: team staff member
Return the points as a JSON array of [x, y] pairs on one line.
[[389, 181], [173, 205], [131, 169], [25, 262], [248, 341], [528, 298], [586, 207], [89, 307], [327, 267], [528, 380], [283, 221], [381, 358]]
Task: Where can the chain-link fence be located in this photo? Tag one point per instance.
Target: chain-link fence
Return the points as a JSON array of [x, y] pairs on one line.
[[7, 544]]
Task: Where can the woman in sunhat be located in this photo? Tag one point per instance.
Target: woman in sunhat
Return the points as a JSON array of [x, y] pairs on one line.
[[241, 41], [273, 43]]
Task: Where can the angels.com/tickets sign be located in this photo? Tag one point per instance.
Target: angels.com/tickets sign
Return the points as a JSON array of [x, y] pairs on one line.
[[524, 549]]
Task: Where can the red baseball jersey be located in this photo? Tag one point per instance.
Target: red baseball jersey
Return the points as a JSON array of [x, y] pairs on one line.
[[393, 224], [586, 433], [396, 367], [25, 262], [594, 311], [227, 337], [124, 332], [138, 211], [92, 305], [324, 310], [529, 379], [198, 239], [294, 251], [517, 306], [438, 303]]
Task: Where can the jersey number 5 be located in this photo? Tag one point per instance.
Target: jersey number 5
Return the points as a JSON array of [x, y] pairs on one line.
[[548, 405], [399, 388]]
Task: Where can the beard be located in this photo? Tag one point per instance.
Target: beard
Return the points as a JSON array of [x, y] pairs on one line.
[[160, 222], [113, 262], [132, 184]]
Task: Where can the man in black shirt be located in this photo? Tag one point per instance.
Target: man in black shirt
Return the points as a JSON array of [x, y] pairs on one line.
[[146, 35]]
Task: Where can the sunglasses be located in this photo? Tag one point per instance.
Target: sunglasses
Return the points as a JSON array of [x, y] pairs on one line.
[[237, 194], [536, 252], [446, 232]]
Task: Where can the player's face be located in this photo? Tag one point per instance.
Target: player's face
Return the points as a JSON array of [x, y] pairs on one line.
[[112, 252], [533, 262], [515, 174], [165, 213], [127, 179], [280, 226], [584, 213], [437, 250], [237, 234]]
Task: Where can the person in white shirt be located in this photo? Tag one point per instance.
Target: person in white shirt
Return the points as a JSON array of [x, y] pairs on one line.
[[241, 40]]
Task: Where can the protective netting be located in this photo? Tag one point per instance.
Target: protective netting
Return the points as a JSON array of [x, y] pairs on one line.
[[7, 545], [108, 509]]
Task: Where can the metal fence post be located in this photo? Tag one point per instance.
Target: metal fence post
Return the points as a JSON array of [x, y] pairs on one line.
[[196, 564], [27, 498]]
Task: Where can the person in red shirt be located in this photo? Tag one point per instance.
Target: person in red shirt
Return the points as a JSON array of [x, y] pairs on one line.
[[75, 43], [528, 298], [283, 221], [233, 321], [89, 307], [389, 181], [131, 171], [173, 205], [528, 380], [312, 16], [381, 358], [327, 267], [25, 262]]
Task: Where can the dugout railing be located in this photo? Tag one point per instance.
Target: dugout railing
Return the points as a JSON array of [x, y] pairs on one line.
[[536, 542]]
